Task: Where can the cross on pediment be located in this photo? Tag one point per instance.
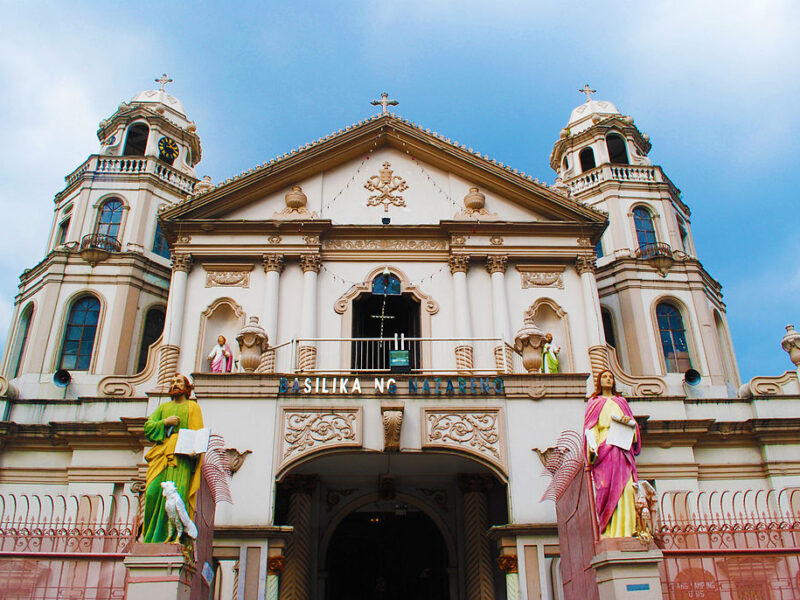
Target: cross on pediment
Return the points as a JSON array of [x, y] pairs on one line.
[[588, 91], [163, 80], [384, 103]]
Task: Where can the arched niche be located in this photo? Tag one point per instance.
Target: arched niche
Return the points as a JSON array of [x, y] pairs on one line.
[[548, 316], [222, 317]]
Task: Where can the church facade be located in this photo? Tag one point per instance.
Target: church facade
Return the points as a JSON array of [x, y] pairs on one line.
[[385, 295]]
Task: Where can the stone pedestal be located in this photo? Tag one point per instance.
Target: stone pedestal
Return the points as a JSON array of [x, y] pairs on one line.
[[626, 569], [158, 571]]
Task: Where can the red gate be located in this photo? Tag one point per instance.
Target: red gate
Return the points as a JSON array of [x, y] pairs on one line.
[[742, 545]]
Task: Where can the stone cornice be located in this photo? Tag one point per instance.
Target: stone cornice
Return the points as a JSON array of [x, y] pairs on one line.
[[712, 433], [126, 433], [382, 131]]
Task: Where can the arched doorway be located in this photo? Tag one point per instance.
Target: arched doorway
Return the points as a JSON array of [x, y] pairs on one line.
[[387, 555]]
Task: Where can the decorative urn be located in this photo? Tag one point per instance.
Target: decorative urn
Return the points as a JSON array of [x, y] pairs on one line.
[[252, 342], [295, 198], [528, 342], [791, 343], [475, 200]]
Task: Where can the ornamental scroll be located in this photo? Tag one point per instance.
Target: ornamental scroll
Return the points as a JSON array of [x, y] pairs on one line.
[[474, 431], [307, 430], [541, 276]]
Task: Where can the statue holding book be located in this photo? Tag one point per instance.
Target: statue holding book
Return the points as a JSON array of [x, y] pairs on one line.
[[612, 439], [170, 459]]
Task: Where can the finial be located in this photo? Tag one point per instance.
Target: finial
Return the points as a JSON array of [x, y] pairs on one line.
[[385, 103], [588, 91], [163, 80]]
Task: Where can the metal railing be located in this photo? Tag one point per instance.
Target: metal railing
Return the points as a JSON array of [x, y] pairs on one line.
[[100, 241], [425, 355], [649, 251]]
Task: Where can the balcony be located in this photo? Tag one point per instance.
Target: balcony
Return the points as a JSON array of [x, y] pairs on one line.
[[620, 173], [131, 165], [96, 247], [469, 357], [658, 255]]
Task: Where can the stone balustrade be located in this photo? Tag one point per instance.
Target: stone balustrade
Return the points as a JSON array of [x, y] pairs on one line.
[[621, 173], [132, 165]]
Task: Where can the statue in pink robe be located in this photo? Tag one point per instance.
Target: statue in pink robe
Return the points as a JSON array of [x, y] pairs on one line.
[[613, 468], [221, 357]]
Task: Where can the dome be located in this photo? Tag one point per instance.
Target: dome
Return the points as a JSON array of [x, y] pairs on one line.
[[580, 118], [160, 97]]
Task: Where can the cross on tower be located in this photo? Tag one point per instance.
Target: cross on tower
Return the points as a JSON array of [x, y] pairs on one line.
[[163, 80], [385, 103], [588, 91]]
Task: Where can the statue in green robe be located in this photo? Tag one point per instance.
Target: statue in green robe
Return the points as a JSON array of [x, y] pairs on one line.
[[550, 352], [163, 464]]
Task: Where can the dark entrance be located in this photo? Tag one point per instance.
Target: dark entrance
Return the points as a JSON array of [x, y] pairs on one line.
[[387, 556], [379, 316]]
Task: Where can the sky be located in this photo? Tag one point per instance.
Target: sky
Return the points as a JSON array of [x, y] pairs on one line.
[[708, 81]]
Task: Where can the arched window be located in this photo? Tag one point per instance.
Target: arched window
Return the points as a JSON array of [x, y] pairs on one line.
[[673, 338], [136, 142], [587, 159], [645, 231], [386, 283], [617, 153], [565, 163], [21, 340], [160, 245], [110, 218], [608, 327], [76, 350], [153, 327]]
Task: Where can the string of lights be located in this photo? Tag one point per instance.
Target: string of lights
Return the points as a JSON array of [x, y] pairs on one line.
[[416, 282], [326, 207]]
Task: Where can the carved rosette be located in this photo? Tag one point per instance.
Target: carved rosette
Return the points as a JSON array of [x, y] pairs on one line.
[[181, 262], [459, 263], [496, 263], [274, 262], [585, 263], [507, 563], [252, 341], [473, 431], [307, 430], [274, 565], [310, 262]]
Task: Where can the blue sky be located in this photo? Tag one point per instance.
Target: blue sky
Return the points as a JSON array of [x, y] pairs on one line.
[[713, 84]]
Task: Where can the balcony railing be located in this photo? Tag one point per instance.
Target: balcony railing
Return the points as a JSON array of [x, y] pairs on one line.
[[98, 241], [474, 356], [650, 251], [132, 165], [621, 173]]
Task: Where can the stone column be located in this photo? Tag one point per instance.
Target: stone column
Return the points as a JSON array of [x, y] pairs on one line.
[[508, 564], [478, 564], [173, 322], [274, 264], [274, 568], [296, 584], [459, 265], [307, 353], [496, 265], [586, 267]]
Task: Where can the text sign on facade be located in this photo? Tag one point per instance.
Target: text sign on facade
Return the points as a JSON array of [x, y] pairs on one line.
[[424, 386]]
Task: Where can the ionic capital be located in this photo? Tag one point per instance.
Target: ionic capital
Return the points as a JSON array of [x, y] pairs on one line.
[[459, 263], [585, 263], [181, 262], [310, 262], [496, 263], [274, 262]]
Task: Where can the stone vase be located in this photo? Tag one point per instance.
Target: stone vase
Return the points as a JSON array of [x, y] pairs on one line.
[[252, 342], [528, 342]]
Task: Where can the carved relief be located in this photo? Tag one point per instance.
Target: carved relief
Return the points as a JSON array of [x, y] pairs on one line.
[[438, 495], [392, 424], [459, 263], [181, 262], [312, 240], [307, 430], [541, 276], [584, 242], [585, 263], [458, 240], [384, 244], [496, 240], [386, 186], [507, 563], [310, 262], [274, 262], [236, 458], [227, 276], [496, 263], [274, 239], [473, 431], [334, 496]]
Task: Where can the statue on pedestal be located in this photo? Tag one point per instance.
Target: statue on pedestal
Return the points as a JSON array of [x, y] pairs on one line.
[[164, 465], [550, 352], [611, 440], [221, 357]]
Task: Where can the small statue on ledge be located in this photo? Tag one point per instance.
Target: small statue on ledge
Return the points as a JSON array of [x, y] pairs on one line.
[[221, 357], [550, 363], [611, 440]]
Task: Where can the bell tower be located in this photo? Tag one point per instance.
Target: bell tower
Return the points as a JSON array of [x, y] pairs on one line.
[[96, 302], [662, 312]]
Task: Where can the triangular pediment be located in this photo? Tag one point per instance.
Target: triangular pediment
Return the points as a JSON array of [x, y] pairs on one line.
[[429, 178]]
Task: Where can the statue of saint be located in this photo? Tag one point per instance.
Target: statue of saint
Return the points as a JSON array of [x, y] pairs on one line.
[[550, 355], [221, 357], [612, 466], [163, 464]]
